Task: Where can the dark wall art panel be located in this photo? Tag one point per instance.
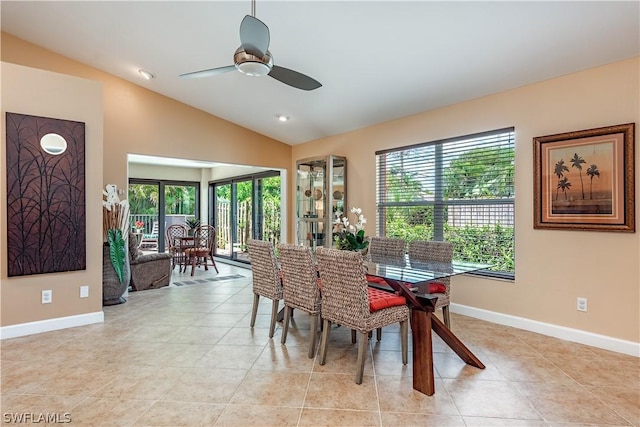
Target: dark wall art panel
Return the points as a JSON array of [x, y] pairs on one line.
[[46, 215]]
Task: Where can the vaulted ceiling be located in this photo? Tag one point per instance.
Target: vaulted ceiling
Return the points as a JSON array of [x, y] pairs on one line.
[[376, 60]]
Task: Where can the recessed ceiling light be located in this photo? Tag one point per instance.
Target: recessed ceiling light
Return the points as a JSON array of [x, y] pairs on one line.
[[282, 117], [147, 75]]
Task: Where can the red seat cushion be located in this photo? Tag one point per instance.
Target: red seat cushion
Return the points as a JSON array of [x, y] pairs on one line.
[[437, 288], [375, 279], [380, 299]]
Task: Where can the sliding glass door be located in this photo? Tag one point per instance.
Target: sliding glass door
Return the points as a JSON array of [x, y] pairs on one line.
[[244, 208], [157, 204]]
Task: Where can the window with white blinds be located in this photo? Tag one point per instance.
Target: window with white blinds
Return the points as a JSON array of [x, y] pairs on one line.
[[458, 190]]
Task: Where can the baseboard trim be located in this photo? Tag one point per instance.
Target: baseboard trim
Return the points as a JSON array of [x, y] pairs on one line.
[[30, 328], [575, 335]]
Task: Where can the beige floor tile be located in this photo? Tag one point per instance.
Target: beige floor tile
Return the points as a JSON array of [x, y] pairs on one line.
[[396, 394], [219, 320], [335, 417], [278, 357], [505, 422], [181, 355], [390, 363], [492, 399], [100, 412], [243, 335], [569, 403], [344, 360], [591, 372], [140, 382], [164, 413], [203, 335], [339, 391], [35, 404], [450, 366], [403, 419], [250, 415], [624, 401], [205, 385], [533, 369], [272, 389], [231, 356]]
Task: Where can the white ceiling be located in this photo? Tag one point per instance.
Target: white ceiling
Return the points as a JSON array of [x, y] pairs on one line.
[[377, 60]]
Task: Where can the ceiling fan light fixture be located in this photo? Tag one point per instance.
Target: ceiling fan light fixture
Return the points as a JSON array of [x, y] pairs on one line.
[[252, 65], [283, 118], [254, 69]]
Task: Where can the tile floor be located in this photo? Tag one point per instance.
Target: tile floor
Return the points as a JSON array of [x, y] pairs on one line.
[[185, 355]]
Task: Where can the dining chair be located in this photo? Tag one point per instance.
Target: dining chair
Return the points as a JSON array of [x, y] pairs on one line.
[[300, 288], [435, 251], [174, 244], [347, 300], [266, 279], [383, 248], [387, 247]]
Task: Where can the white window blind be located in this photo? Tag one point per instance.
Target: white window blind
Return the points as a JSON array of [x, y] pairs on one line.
[[460, 190]]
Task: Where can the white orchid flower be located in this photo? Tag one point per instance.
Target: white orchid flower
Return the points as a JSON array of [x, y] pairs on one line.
[[352, 228]]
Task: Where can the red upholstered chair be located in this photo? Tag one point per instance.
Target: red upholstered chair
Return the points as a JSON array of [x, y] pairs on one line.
[[347, 300], [386, 248], [431, 251]]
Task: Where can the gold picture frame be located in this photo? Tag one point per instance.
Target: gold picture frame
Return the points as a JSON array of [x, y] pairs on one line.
[[585, 180]]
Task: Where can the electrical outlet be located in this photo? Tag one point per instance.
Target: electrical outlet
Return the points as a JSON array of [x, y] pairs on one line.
[[47, 296], [582, 304], [84, 291]]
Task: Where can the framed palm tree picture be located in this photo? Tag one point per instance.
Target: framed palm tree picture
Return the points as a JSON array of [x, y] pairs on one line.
[[584, 180]]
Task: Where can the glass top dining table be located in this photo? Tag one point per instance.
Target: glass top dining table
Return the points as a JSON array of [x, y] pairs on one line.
[[399, 273]]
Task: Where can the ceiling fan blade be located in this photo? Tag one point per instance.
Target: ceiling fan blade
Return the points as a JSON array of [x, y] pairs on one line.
[[294, 78], [254, 36], [208, 73]]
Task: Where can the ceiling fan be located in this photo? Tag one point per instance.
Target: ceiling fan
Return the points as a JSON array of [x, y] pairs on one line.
[[254, 59]]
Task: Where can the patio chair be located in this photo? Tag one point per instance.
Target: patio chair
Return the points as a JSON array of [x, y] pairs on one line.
[[440, 252], [266, 279], [174, 244], [347, 300], [150, 241], [300, 288], [204, 241]]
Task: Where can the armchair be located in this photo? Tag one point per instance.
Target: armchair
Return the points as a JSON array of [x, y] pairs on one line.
[[151, 271]]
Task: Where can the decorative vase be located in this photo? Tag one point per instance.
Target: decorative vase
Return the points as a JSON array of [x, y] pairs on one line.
[[112, 289]]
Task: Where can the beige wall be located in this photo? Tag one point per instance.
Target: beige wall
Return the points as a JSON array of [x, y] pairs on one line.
[[39, 93], [136, 121], [553, 268], [144, 171], [139, 121]]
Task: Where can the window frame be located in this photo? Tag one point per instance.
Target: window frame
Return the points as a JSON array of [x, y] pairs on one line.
[[439, 203]]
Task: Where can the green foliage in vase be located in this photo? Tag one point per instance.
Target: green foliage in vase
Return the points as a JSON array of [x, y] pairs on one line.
[[117, 252], [350, 237], [193, 223]]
